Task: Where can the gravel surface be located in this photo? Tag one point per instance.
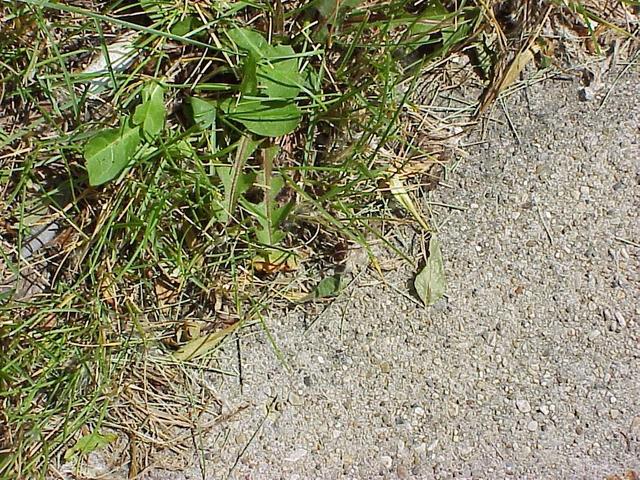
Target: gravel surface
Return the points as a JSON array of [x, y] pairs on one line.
[[530, 368]]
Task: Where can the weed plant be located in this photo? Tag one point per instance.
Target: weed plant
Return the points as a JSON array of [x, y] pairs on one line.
[[198, 162]]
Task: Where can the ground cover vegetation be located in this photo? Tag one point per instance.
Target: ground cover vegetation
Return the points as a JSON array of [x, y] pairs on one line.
[[170, 170]]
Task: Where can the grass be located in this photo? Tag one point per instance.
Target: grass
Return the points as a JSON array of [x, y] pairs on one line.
[[222, 160]]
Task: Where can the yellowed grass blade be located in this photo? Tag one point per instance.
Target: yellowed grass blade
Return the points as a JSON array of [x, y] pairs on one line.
[[199, 346], [399, 190]]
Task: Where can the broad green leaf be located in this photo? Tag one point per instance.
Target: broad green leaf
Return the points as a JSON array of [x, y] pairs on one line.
[[430, 283], [151, 113], [250, 41], [270, 218], [263, 117], [279, 78], [430, 19], [204, 112], [108, 152], [452, 36], [249, 84], [234, 186], [89, 443]]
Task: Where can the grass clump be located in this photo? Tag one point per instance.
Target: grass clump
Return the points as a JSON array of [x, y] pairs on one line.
[[168, 168]]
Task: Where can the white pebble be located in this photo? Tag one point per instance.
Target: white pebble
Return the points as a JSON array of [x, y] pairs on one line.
[[523, 406], [386, 460], [296, 455]]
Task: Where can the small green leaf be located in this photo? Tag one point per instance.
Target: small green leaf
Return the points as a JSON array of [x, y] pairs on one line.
[[328, 287], [430, 283], [243, 181], [151, 113], [234, 181], [181, 149], [263, 117], [269, 215], [89, 443], [279, 77], [250, 41], [108, 152], [204, 112], [186, 26], [182, 27]]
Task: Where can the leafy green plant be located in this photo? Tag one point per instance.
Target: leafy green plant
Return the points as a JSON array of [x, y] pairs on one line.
[[108, 152], [271, 80], [151, 113]]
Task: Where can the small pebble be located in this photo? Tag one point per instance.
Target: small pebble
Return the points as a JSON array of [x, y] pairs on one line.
[[594, 334], [532, 426], [296, 455], [523, 406], [509, 468], [385, 367], [386, 460], [621, 321], [402, 472], [242, 439], [295, 399]]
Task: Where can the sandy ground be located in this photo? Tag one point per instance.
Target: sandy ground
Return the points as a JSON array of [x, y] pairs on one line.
[[530, 368]]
